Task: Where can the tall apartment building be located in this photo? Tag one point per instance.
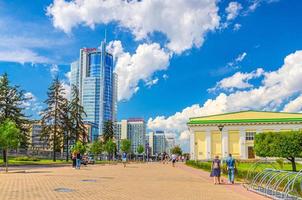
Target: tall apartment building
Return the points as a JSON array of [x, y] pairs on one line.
[[170, 143], [151, 143], [35, 138], [157, 142], [93, 75], [133, 129]]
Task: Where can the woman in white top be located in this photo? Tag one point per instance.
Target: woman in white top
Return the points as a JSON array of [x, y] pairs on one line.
[[174, 157]]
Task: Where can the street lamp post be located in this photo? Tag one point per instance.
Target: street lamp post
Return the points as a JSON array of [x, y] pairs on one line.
[[220, 127]]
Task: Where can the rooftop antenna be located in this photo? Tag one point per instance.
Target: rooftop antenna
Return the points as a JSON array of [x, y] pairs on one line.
[[105, 39]]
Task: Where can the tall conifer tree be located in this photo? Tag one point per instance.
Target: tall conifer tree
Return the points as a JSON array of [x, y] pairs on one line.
[[53, 124], [12, 99], [108, 131], [67, 127], [76, 115]]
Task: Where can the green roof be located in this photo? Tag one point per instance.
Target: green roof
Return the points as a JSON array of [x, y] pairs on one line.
[[280, 120]]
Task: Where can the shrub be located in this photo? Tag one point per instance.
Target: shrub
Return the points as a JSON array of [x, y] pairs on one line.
[[27, 158], [199, 165], [280, 162]]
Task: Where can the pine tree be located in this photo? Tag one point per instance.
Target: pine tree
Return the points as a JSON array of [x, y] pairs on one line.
[[11, 107], [76, 114], [67, 127], [108, 131], [53, 126]]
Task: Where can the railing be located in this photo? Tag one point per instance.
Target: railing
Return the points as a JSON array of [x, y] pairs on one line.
[[274, 183]]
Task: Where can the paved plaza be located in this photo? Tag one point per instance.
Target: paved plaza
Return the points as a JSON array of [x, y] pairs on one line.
[[135, 182]]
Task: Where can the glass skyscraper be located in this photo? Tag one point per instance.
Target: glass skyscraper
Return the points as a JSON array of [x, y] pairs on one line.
[[93, 75]]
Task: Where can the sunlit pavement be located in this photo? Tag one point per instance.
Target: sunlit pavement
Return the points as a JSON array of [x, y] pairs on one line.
[[136, 181]]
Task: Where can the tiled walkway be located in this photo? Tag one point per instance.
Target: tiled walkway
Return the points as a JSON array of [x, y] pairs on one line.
[[136, 182]]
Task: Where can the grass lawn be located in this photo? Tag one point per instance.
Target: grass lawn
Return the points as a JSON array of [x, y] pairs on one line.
[[286, 167], [15, 161]]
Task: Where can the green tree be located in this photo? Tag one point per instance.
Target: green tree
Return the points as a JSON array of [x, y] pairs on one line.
[[79, 147], [282, 144], [53, 126], [76, 115], [12, 100], [10, 137], [96, 148], [140, 149], [110, 148], [67, 126], [176, 150], [125, 146], [108, 131]]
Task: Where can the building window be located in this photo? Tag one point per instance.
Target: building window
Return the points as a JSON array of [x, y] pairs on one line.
[[250, 135]]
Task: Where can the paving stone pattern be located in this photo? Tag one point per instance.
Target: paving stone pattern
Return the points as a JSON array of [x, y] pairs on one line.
[[108, 182]]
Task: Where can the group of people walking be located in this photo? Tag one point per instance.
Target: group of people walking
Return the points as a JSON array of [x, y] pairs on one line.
[[76, 160], [216, 169], [165, 158]]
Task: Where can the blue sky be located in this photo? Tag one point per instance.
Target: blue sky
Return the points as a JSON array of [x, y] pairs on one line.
[[175, 61]]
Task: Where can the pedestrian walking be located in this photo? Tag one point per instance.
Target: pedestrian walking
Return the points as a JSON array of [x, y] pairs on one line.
[[167, 159], [74, 158], [174, 157], [231, 165], [163, 158], [78, 160], [124, 158], [216, 170]]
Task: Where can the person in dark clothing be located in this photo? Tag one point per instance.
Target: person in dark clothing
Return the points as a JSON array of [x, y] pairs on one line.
[[216, 170], [163, 159], [231, 165], [74, 160], [78, 161]]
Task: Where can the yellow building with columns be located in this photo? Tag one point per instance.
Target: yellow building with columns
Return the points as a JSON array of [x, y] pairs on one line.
[[234, 132]]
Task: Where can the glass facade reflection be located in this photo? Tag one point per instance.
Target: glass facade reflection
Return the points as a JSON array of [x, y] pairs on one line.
[[97, 84]]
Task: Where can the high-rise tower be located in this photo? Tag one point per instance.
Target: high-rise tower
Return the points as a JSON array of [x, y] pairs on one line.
[[93, 75]]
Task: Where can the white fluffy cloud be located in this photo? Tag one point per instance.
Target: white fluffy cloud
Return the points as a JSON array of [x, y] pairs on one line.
[[234, 63], [24, 41], [54, 69], [67, 89], [140, 66], [237, 27], [238, 81], [276, 88], [294, 105], [177, 122], [22, 56], [241, 57], [233, 10], [257, 3], [68, 76], [185, 135], [194, 18], [32, 105], [150, 83]]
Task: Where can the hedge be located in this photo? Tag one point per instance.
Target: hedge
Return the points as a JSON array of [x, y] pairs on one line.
[[240, 173], [26, 158]]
